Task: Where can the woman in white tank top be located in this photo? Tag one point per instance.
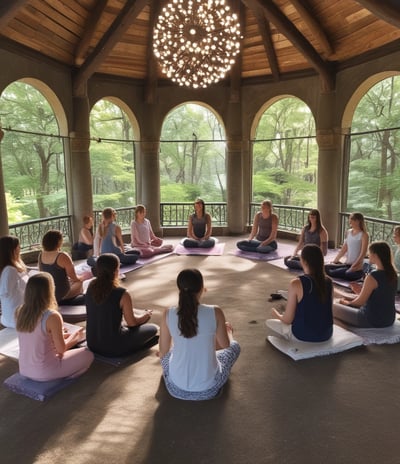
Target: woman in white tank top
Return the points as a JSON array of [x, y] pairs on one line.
[[354, 248], [197, 348]]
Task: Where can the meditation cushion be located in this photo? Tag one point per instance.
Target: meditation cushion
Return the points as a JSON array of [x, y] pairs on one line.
[[39, 391]]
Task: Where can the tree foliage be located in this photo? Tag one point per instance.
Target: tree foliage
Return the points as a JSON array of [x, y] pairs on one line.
[[111, 156], [33, 162], [374, 170], [192, 155]]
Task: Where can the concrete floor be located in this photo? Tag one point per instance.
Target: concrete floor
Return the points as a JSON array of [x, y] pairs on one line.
[[337, 409]]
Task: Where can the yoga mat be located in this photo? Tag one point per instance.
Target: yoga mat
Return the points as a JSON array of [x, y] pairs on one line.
[[386, 335], [152, 259], [216, 250]]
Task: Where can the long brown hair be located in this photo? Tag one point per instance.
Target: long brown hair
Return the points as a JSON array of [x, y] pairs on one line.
[[39, 296], [384, 253], [312, 255], [190, 283], [106, 279], [8, 253]]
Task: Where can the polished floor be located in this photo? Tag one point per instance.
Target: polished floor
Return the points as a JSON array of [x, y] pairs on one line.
[[343, 408]]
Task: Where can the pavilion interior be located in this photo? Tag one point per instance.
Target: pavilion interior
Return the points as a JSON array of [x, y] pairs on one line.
[[336, 409]]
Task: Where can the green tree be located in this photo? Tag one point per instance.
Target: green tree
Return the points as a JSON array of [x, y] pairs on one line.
[[33, 162], [374, 166], [192, 155], [285, 155], [112, 156]]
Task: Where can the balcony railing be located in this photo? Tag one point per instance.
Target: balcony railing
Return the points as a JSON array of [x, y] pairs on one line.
[[291, 218], [30, 233]]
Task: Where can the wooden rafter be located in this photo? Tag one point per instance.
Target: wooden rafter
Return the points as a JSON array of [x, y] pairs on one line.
[[90, 29], [387, 10], [8, 10], [151, 75], [313, 25], [265, 32], [117, 29], [275, 16]]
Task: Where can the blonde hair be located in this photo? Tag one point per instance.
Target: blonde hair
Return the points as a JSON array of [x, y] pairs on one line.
[[39, 297]]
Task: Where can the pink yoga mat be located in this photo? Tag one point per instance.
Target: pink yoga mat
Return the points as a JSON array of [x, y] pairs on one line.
[[216, 250]]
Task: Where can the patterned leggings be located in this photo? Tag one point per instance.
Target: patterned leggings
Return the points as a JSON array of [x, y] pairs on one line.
[[226, 358]]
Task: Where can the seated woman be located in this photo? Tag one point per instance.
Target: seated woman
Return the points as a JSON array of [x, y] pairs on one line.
[[13, 279], [68, 285], [374, 306], [396, 237], [355, 248], [143, 237], [313, 232], [84, 246], [262, 238], [111, 241], [199, 228], [107, 304], [44, 346], [197, 349], [308, 314]]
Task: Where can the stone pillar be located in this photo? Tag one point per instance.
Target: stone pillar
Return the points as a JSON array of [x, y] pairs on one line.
[[329, 167], [234, 184], [3, 204], [79, 179], [150, 182]]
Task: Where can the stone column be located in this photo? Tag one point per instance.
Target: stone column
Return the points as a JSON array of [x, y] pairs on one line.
[[3, 204], [329, 167], [234, 184], [79, 179], [150, 182]]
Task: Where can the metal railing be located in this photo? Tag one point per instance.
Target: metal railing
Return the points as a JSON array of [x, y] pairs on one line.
[[291, 218], [177, 214], [378, 229], [30, 233]]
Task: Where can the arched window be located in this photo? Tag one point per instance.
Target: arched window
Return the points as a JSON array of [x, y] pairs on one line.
[[112, 156], [192, 156], [285, 155], [374, 164], [32, 154]]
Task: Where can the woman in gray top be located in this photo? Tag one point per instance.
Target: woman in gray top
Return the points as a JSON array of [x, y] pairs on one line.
[[312, 233], [199, 228], [262, 238]]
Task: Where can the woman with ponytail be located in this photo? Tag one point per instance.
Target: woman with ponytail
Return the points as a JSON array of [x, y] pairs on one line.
[[374, 305], [308, 313], [113, 327], [197, 348]]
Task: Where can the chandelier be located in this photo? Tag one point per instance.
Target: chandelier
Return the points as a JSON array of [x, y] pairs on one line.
[[196, 41]]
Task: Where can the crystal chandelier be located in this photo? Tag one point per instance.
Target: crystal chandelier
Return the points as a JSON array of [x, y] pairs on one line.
[[196, 41]]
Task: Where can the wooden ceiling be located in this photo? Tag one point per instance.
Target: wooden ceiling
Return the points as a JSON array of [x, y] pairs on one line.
[[280, 37]]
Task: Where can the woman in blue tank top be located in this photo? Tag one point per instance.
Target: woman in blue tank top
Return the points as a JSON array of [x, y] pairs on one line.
[[308, 314]]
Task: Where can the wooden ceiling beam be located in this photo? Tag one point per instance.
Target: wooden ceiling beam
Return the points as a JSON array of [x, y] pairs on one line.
[[387, 10], [276, 17], [151, 74], [8, 10], [313, 25], [117, 29], [90, 29]]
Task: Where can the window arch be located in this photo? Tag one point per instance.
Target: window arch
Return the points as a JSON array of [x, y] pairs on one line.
[[113, 128], [285, 153], [33, 151], [192, 155], [374, 149]]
